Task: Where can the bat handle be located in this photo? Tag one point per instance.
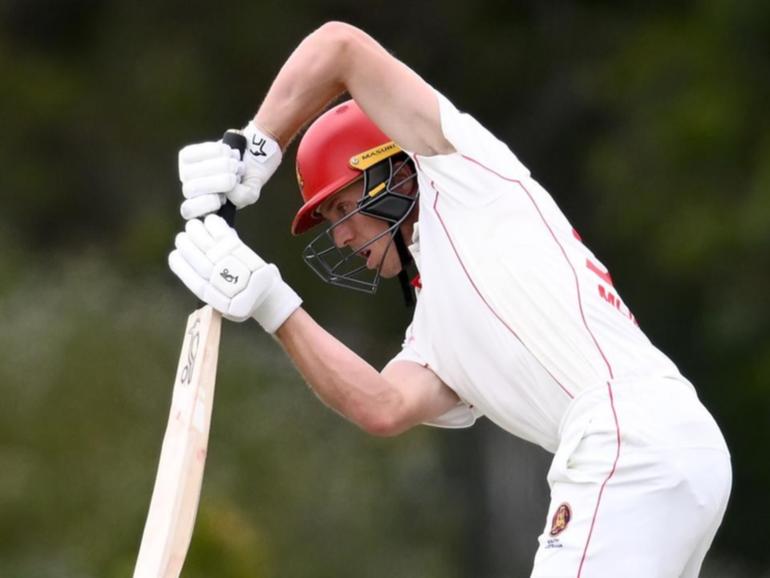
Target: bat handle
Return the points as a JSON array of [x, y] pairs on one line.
[[236, 140]]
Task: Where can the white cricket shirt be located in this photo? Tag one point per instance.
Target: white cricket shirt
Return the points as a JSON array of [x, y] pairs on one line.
[[515, 314]]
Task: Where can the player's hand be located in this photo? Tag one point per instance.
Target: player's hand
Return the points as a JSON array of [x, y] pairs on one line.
[[222, 271], [212, 172]]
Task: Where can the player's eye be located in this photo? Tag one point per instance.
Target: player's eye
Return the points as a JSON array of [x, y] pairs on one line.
[[344, 208]]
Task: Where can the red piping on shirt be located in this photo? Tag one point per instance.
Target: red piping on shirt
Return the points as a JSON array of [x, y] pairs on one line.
[[563, 252], [588, 329], [473, 284]]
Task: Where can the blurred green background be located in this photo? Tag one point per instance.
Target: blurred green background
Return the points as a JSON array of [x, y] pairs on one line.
[[647, 121]]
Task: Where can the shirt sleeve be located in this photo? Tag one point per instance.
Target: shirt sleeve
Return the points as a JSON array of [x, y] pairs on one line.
[[461, 415], [471, 140]]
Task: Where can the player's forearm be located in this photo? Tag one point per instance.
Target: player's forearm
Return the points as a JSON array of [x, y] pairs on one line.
[[312, 76], [337, 58], [340, 378]]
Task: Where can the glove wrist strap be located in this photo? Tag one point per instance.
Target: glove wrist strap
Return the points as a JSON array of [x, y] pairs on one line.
[[261, 147], [279, 304]]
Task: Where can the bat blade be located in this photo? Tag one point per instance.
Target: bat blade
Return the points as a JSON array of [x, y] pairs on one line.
[[174, 503]]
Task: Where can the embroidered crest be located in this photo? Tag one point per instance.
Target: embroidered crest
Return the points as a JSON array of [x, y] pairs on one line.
[[560, 519]]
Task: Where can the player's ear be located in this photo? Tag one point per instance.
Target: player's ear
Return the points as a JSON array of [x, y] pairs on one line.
[[407, 175]]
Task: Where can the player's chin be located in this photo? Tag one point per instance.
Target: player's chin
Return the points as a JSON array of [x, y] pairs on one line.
[[387, 274], [390, 269]]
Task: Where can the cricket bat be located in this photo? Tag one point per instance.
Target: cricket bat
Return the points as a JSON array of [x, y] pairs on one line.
[[174, 504]]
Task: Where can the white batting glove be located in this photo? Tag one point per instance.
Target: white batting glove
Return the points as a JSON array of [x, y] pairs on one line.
[[207, 170], [212, 172], [260, 161], [222, 271]]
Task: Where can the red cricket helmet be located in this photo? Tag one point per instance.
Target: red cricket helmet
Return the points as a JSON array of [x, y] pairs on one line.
[[335, 151]]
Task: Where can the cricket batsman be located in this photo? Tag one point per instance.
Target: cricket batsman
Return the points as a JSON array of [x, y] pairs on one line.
[[515, 318]]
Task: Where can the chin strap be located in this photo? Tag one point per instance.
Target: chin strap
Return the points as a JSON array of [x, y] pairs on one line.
[[403, 276]]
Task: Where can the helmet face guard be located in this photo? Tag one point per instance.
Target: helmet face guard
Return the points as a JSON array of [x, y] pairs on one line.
[[386, 196]]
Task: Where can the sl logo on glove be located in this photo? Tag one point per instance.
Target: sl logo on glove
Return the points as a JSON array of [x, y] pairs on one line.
[[225, 274], [231, 275]]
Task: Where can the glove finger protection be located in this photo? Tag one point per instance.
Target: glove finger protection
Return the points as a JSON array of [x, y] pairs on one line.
[[200, 206], [193, 256], [206, 170], [199, 152], [209, 185], [212, 261], [221, 164], [200, 235]]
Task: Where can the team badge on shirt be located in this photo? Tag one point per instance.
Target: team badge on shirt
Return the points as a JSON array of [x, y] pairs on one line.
[[560, 519]]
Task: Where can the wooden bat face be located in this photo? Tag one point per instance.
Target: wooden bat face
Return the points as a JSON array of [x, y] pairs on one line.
[[174, 503]]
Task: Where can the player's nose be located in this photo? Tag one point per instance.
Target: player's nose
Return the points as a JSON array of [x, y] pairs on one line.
[[342, 235]]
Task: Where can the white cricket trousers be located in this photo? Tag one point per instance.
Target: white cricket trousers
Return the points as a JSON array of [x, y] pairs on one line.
[[639, 484]]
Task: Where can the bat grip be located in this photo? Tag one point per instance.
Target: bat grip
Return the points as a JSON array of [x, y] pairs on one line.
[[235, 140]]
